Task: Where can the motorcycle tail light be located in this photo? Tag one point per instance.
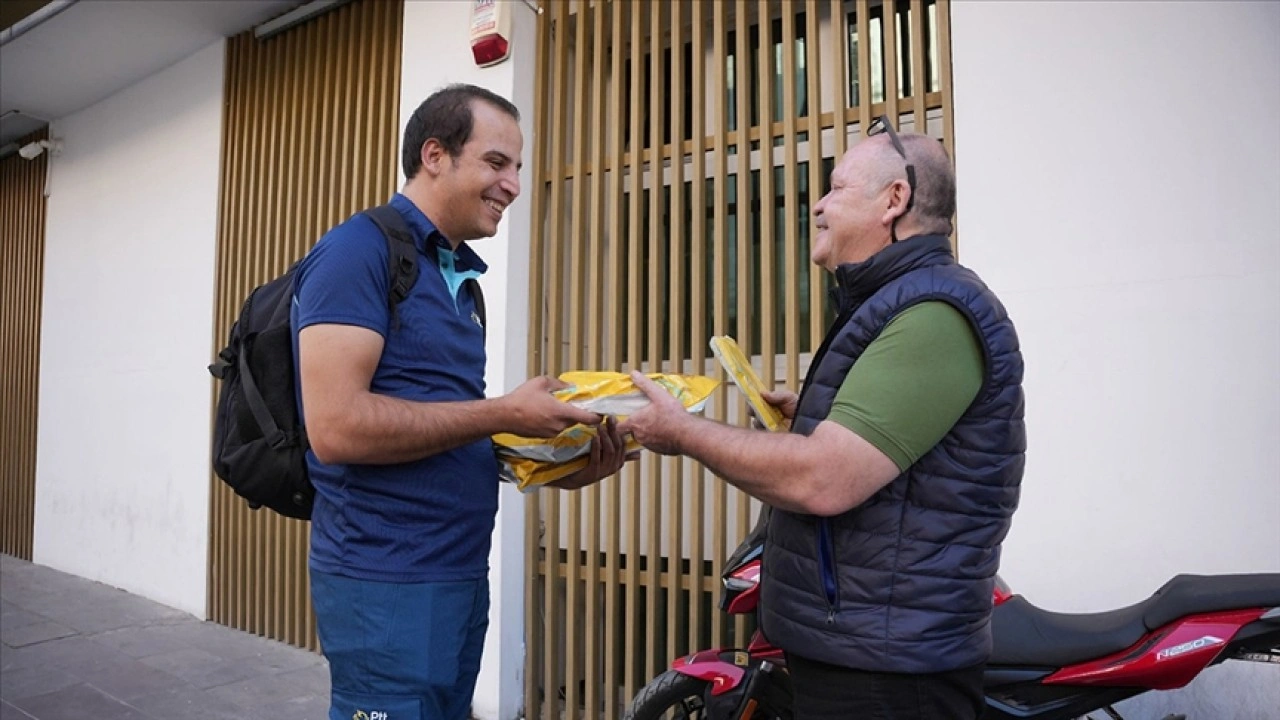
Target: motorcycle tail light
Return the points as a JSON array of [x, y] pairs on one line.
[[744, 578]]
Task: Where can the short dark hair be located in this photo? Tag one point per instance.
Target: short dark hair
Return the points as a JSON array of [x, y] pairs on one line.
[[446, 116]]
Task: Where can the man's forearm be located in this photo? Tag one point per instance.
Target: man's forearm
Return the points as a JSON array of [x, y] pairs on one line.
[[771, 467], [378, 429]]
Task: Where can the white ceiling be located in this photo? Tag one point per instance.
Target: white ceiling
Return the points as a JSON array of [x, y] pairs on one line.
[[95, 48]]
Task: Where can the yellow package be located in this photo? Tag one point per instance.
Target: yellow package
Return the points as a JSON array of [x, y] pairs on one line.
[[530, 462], [739, 368]]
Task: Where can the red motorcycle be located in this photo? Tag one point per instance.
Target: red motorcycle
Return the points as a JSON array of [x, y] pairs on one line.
[[1045, 665]]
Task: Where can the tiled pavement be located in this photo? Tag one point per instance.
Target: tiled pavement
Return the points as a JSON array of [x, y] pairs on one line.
[[73, 649]]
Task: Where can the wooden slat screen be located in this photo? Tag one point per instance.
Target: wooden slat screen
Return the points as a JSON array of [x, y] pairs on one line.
[[310, 137], [22, 231], [675, 171]]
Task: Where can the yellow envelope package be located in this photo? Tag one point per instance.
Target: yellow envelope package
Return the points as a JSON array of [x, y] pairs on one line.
[[531, 462], [739, 369]]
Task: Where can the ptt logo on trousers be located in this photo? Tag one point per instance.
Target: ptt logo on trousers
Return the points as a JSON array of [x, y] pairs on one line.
[[373, 715]]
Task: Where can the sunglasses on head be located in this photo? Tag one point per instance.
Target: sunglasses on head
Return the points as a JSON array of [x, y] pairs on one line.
[[882, 125]]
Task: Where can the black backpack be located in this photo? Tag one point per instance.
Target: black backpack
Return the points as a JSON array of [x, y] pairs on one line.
[[259, 443]]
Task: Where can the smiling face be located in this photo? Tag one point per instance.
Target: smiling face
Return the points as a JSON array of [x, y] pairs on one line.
[[851, 222], [471, 191]]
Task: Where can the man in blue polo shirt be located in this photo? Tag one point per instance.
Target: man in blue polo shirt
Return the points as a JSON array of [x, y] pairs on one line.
[[405, 474]]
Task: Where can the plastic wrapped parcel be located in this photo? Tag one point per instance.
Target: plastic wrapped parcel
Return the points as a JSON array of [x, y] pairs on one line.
[[531, 462]]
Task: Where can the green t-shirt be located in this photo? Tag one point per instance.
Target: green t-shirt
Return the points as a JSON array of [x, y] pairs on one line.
[[912, 383]]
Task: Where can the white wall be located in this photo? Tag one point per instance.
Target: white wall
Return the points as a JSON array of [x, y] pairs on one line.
[[1119, 188], [122, 462], [437, 52]]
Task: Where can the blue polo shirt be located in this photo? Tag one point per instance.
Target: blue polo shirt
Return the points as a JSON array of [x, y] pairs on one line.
[[421, 521]]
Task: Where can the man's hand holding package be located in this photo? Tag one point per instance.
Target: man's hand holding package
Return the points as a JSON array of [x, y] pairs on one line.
[[608, 454], [659, 425], [535, 412], [784, 400]]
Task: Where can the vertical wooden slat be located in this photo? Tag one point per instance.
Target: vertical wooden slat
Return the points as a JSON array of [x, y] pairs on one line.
[[865, 98], [595, 628], [262, 581], [305, 121], [720, 283], [578, 239], [889, 31], [391, 66], [613, 359], [555, 301], [698, 304], [634, 653], [944, 55], [813, 68], [673, 467], [305, 116], [613, 649], [330, 110], [743, 204], [362, 172], [343, 144], [230, 211], [768, 215], [792, 262], [535, 675], [247, 522], [262, 577], [919, 85], [377, 110], [840, 74], [231, 265], [840, 134], [655, 270], [948, 102], [22, 250]]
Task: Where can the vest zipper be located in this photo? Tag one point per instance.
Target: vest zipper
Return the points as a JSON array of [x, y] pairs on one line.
[[826, 552], [827, 569]]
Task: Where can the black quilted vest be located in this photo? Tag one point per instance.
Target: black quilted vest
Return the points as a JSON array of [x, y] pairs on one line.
[[903, 582]]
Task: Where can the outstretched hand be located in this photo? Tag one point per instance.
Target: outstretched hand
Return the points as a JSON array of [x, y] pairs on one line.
[[534, 412], [660, 425]]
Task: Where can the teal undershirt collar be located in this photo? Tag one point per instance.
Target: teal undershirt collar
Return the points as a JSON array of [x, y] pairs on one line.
[[453, 278]]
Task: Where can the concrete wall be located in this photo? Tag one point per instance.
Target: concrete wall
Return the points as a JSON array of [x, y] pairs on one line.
[[122, 463], [1119, 170]]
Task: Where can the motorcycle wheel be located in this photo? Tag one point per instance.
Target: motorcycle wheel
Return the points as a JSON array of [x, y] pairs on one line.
[[670, 696]]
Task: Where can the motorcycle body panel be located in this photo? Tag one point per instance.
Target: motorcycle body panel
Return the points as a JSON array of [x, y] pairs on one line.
[[723, 668], [1168, 658], [742, 589]]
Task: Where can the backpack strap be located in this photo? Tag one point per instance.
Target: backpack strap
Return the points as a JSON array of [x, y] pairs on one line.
[[271, 432], [402, 255], [477, 297]]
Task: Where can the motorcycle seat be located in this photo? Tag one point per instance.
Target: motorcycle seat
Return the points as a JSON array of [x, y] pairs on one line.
[[1026, 635]]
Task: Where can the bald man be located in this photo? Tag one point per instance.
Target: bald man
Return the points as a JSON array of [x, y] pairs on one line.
[[895, 487]]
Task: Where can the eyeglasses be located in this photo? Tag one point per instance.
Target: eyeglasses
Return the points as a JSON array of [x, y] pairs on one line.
[[882, 125]]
